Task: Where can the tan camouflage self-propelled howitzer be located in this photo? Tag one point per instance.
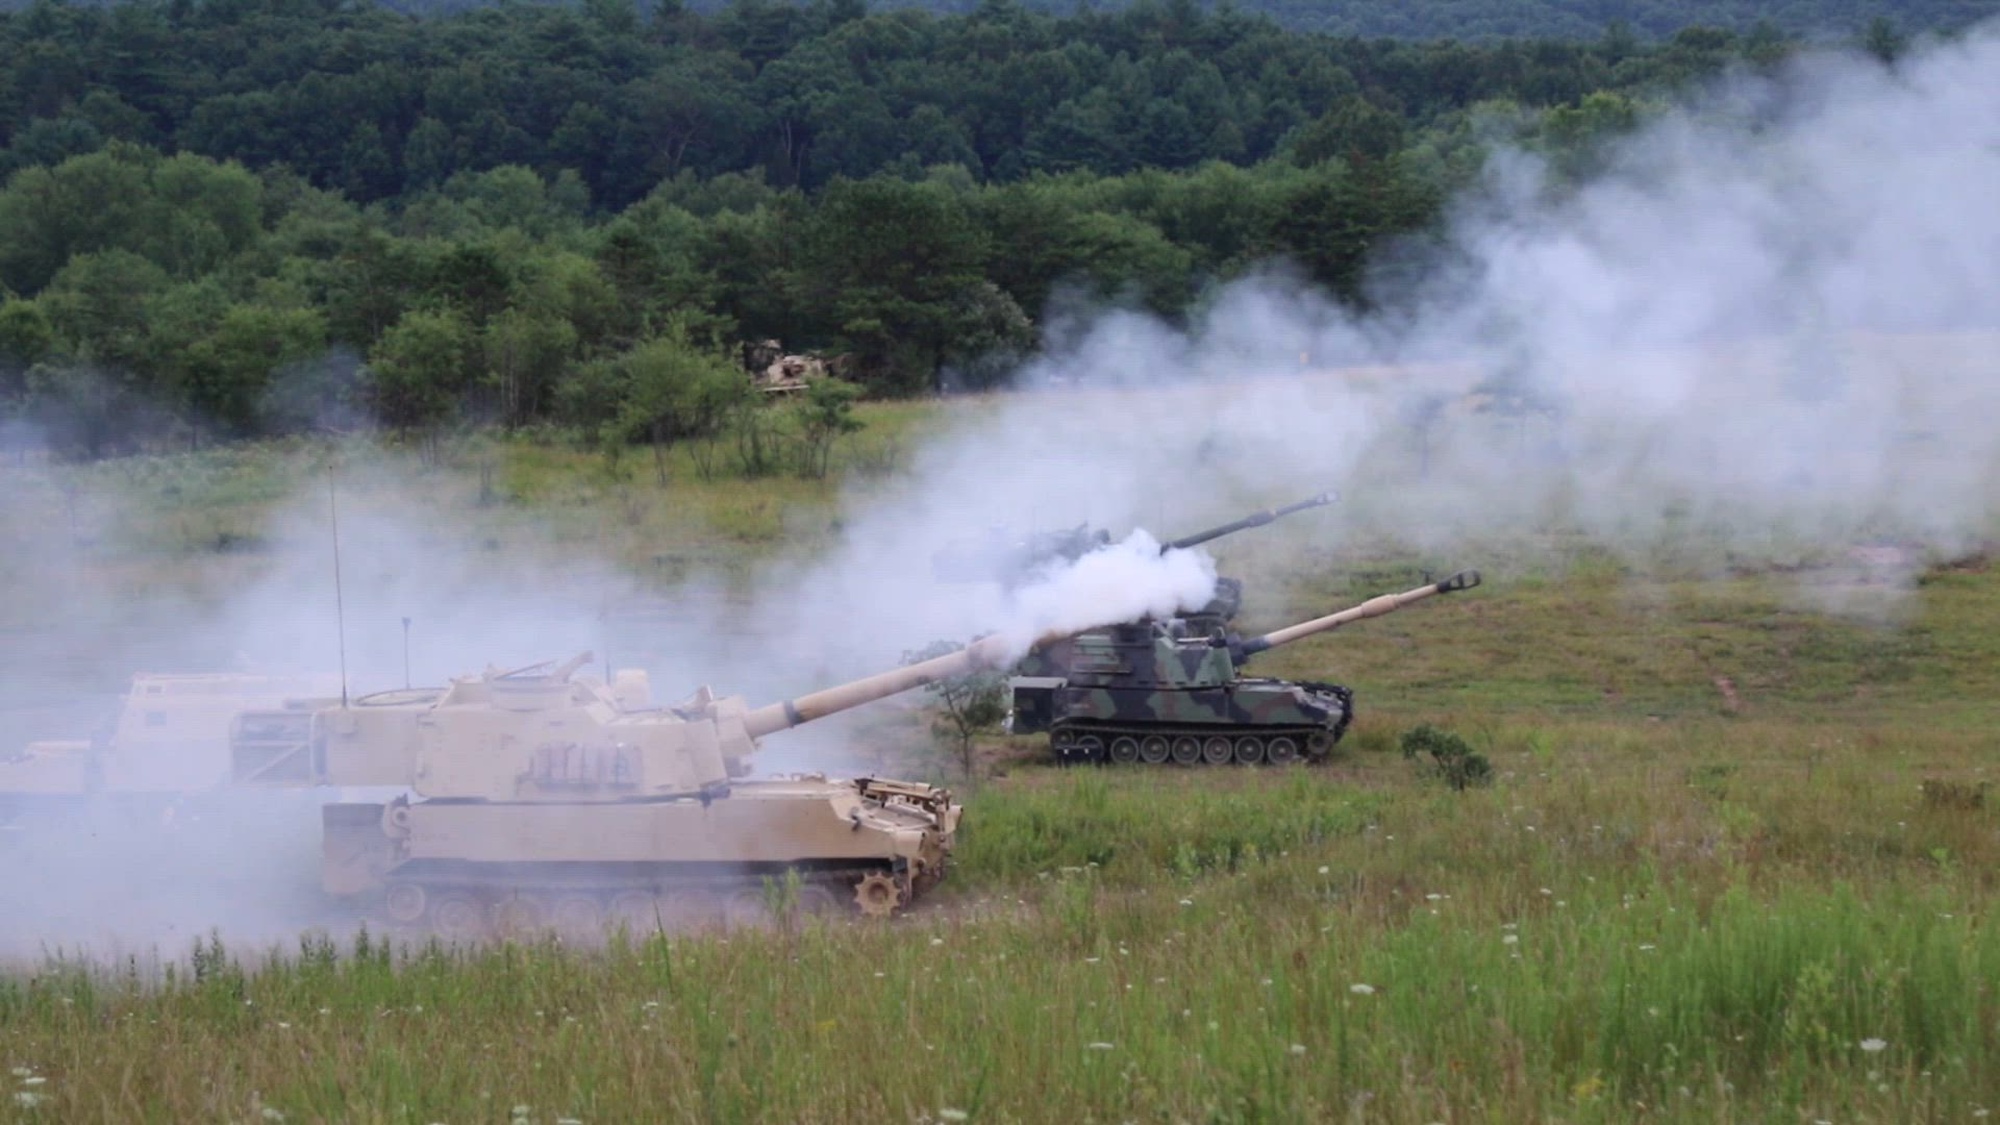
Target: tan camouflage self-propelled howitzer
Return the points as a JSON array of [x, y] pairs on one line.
[[1152, 693], [546, 801]]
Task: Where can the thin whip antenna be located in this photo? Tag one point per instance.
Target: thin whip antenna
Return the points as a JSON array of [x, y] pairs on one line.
[[339, 602]]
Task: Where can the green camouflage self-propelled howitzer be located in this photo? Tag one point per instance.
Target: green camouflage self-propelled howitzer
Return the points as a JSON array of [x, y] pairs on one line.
[[1156, 692]]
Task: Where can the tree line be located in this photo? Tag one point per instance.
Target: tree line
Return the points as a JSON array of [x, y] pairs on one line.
[[237, 217]]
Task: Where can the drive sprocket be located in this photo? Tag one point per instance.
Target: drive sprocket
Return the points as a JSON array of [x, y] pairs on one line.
[[877, 895]]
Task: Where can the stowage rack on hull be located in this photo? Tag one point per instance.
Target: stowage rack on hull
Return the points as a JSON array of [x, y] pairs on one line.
[[547, 801], [1155, 693]]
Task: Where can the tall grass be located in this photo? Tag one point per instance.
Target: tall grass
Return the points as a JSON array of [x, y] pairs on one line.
[[1652, 928]]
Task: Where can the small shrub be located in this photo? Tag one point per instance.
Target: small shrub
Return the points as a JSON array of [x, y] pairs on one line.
[[1954, 795], [1452, 760]]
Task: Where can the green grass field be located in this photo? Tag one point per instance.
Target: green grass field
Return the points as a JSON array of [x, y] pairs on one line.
[[1737, 865]]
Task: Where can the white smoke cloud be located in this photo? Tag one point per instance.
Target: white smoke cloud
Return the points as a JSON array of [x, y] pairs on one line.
[[1125, 581]]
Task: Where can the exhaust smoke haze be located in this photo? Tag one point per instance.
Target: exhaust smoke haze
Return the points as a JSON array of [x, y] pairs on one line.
[[1769, 326]]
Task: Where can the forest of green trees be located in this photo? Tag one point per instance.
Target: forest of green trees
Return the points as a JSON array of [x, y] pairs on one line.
[[227, 218]]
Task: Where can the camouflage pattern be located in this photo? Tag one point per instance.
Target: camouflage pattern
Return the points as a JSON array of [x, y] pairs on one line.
[[1157, 692], [1012, 560]]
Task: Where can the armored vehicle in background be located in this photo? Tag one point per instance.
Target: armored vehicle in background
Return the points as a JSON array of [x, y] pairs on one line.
[[170, 739], [1010, 561], [1158, 692], [545, 800]]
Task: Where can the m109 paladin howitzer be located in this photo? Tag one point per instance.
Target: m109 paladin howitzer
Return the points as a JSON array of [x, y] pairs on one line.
[[545, 801], [1001, 557], [1152, 692]]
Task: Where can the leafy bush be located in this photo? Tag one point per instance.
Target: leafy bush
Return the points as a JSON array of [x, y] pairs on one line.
[[1451, 759]]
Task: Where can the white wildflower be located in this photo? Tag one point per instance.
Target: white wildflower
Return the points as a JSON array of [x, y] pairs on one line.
[[1434, 896], [1873, 1045], [1509, 939], [952, 1115], [937, 941], [23, 1072], [273, 1114], [1298, 1048], [1097, 1046], [1545, 891], [1325, 870], [1647, 948], [33, 1080], [569, 1121], [27, 1099], [1361, 989], [1187, 902]]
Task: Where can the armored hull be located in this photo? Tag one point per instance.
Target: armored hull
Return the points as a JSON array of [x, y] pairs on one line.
[[1251, 721], [470, 870]]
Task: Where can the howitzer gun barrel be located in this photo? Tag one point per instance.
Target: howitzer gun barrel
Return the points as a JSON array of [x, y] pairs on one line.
[[1255, 519], [1373, 607], [988, 652]]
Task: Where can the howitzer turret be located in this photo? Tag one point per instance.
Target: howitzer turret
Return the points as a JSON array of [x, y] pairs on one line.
[[1155, 692], [548, 801], [1003, 558]]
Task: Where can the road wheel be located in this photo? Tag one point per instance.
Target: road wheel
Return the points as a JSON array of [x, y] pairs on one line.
[[521, 917], [747, 909], [1250, 750], [696, 908], [1217, 750], [459, 918], [405, 902], [1124, 750], [1187, 750], [639, 913], [1154, 750], [1089, 750], [818, 901], [1283, 751]]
